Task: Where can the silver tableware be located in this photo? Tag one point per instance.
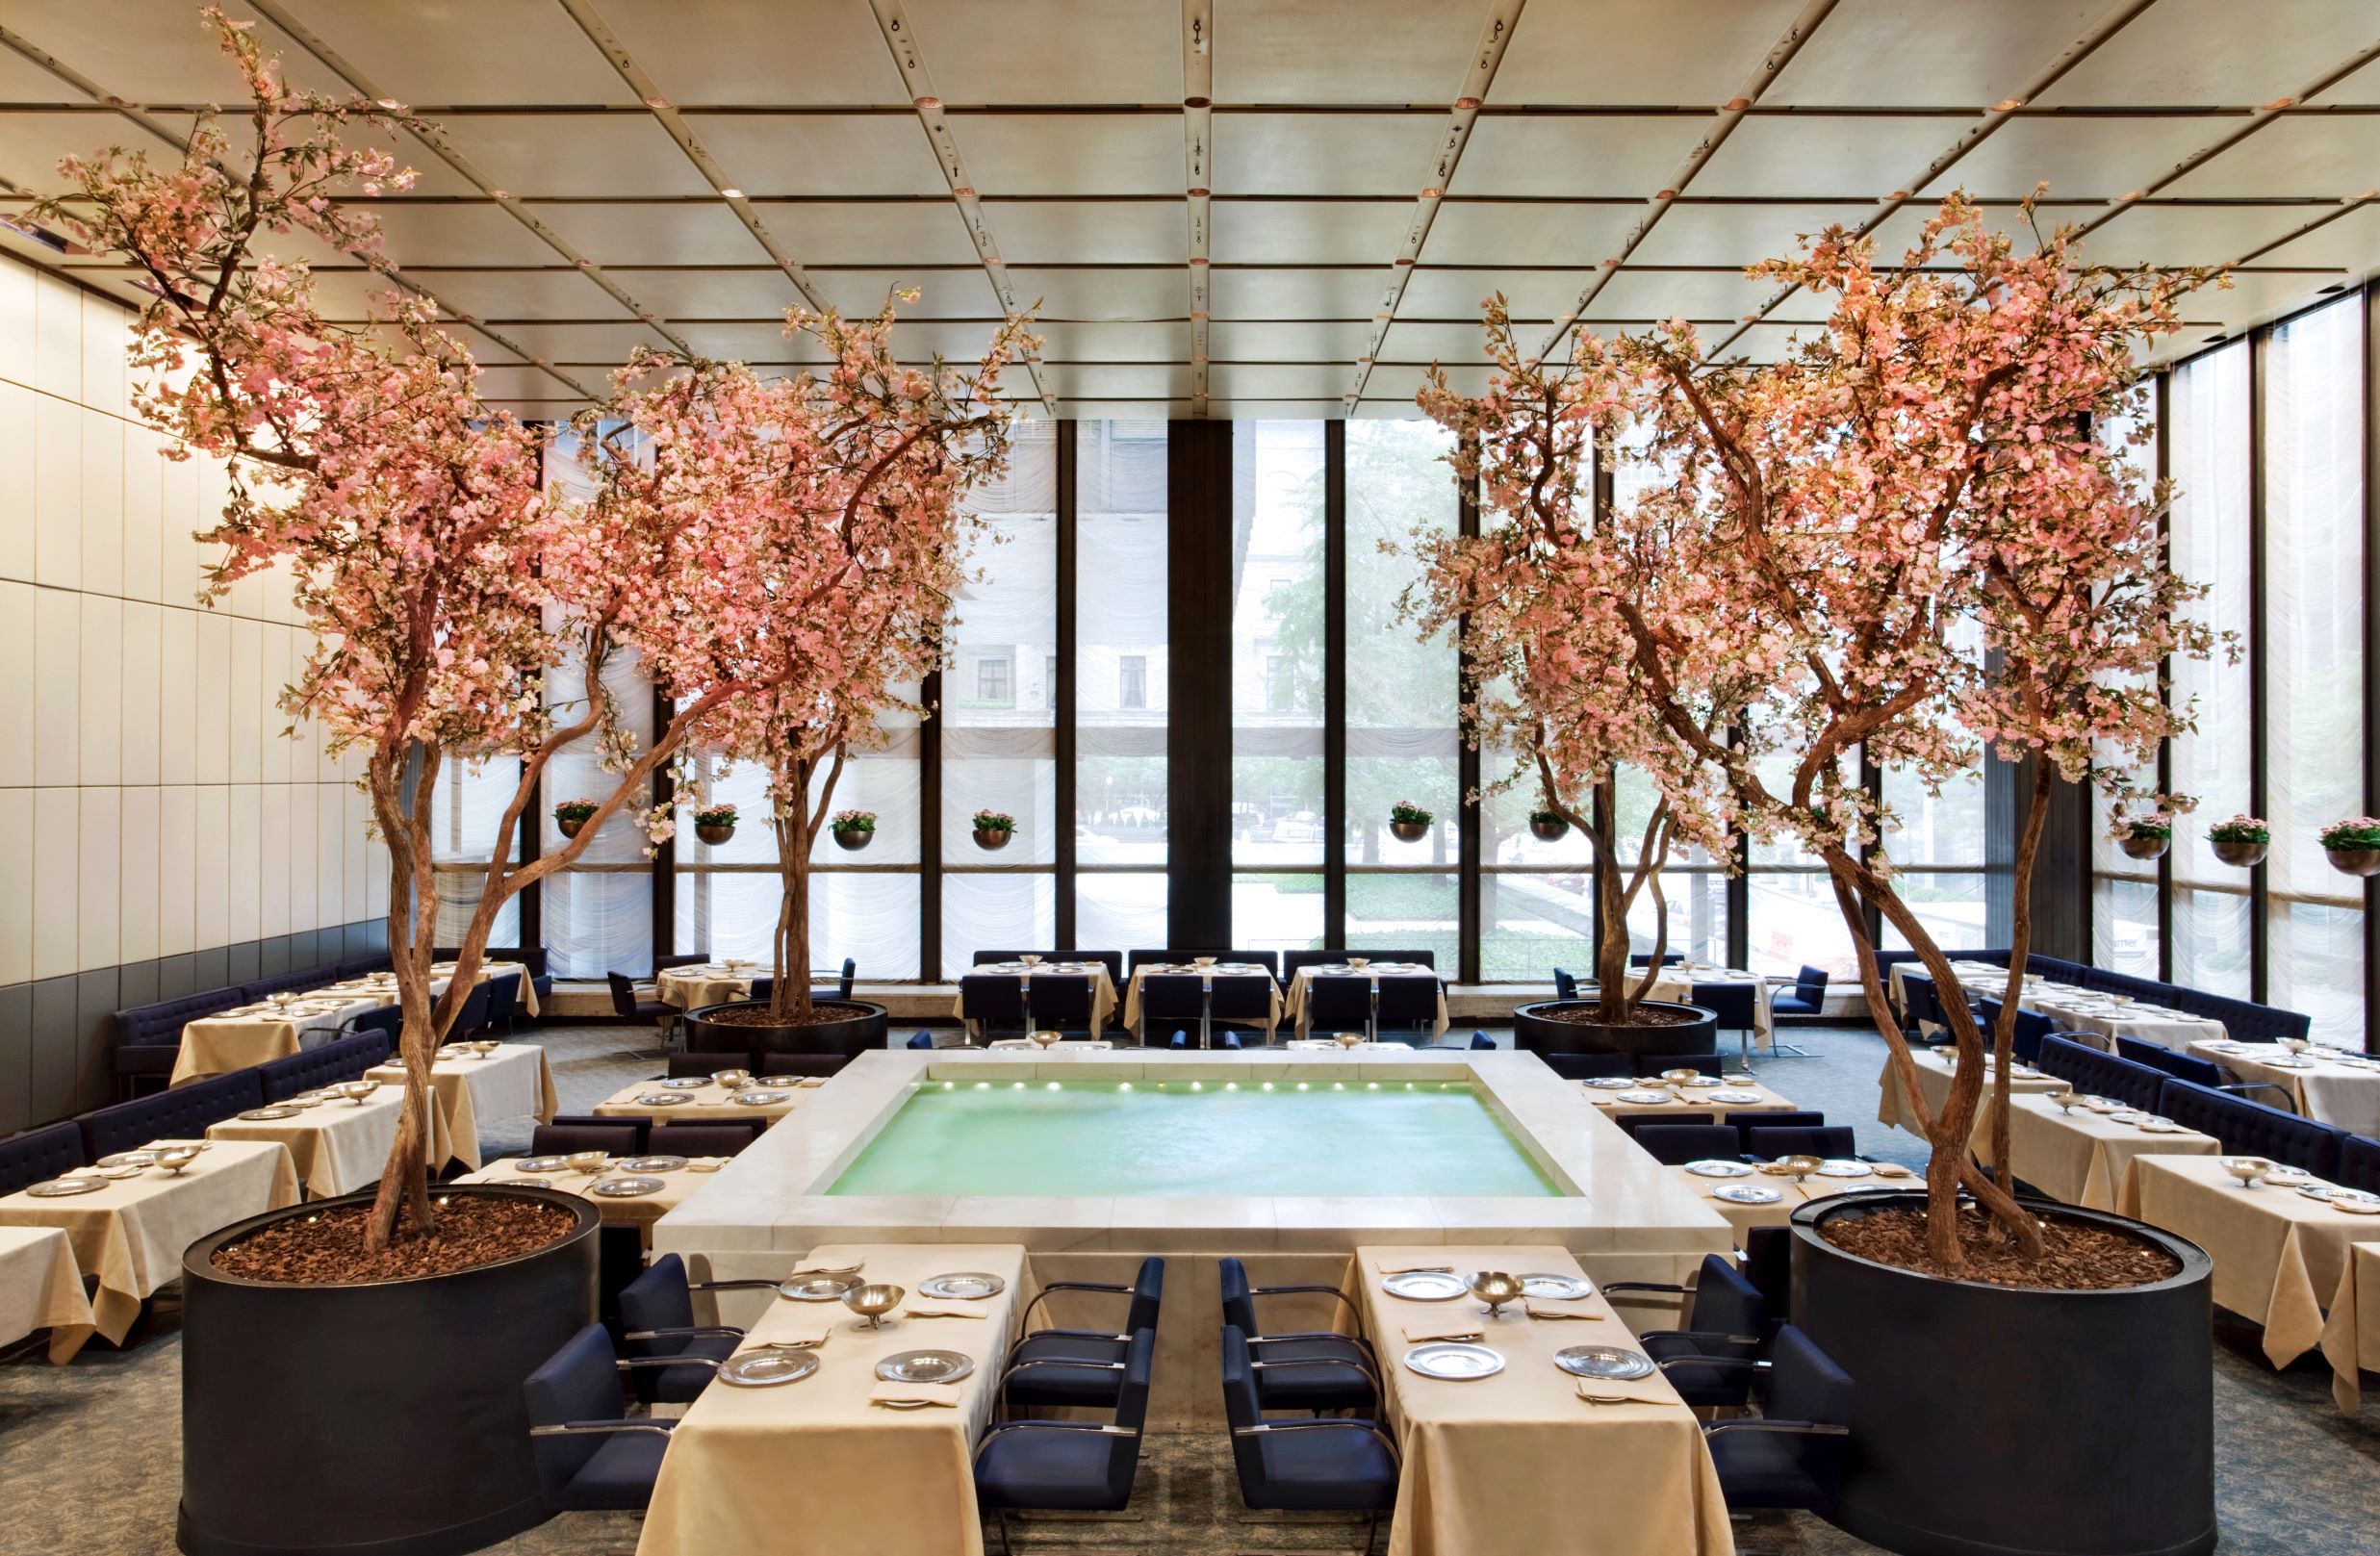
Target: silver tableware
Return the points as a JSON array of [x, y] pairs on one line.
[[628, 1188], [963, 1285], [2355, 1201], [122, 1173], [1845, 1169], [1748, 1194], [1425, 1286], [1612, 1083], [482, 1047], [925, 1367], [758, 1369], [2247, 1169], [872, 1301], [1731, 1096], [590, 1162], [729, 1080], [128, 1158], [541, 1163], [1556, 1287], [60, 1188], [655, 1163], [1615, 1363], [685, 1082], [817, 1286], [1495, 1287], [761, 1099], [1647, 1099], [261, 1116], [455, 1051], [176, 1159], [1454, 1361], [1715, 1167], [1704, 1081], [355, 1091], [663, 1099]]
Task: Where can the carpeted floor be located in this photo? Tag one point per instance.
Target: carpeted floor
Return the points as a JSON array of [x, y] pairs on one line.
[[89, 1453]]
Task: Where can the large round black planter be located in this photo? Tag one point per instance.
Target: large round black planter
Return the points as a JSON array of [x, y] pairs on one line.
[[849, 1039], [1535, 1032], [383, 1420], [1993, 1421]]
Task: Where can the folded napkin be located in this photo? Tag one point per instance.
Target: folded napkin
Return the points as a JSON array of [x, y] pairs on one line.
[[941, 1309], [798, 1334], [1609, 1392], [810, 1080], [852, 1269], [916, 1394], [1448, 1328], [1542, 1307], [1409, 1266]]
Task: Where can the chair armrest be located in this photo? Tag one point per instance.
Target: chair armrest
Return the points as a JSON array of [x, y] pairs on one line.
[[2244, 1086], [733, 1286], [601, 1428], [1362, 1367], [1267, 1428], [1781, 1428], [1028, 1366], [1647, 1285], [1103, 1428], [1024, 1317], [1306, 1291], [1698, 1335], [1075, 1334], [1313, 1334], [1754, 1363], [631, 1364], [692, 1332]]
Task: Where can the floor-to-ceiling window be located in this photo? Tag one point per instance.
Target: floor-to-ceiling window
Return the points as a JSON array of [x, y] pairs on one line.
[[1119, 683], [2124, 891], [1279, 681]]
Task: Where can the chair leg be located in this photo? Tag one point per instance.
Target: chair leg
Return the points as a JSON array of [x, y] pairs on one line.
[[1206, 1015]]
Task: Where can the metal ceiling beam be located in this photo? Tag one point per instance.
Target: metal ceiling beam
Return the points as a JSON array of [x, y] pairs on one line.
[[1199, 178]]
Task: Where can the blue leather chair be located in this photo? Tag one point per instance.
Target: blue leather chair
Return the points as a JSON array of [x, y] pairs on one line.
[[1767, 1142], [1059, 1002], [1588, 1066], [309, 1069], [1725, 1319], [1073, 1466], [1923, 1020], [1565, 986], [1305, 1370], [1479, 1041], [1339, 1004], [1649, 1063], [2105, 1075], [38, 1154], [500, 1005], [1326, 1466], [1223, 1039], [689, 1065], [1768, 1264], [725, 1139], [1407, 1003], [1244, 1000], [2251, 1128], [1053, 1367], [1791, 1455], [589, 1459], [1738, 1008], [1673, 1145], [656, 1320], [1644, 958], [2198, 1071], [922, 1039], [620, 1137], [1270, 960], [840, 988], [1808, 997], [148, 1037], [389, 1020], [533, 957], [1170, 998], [472, 1017], [988, 998], [2358, 1163], [182, 1113], [1745, 1123]]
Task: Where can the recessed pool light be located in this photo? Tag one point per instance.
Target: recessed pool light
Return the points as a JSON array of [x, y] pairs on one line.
[[1123, 1086], [1198, 1086], [1017, 1086], [1052, 1085], [1231, 1085], [1303, 1086], [982, 1086], [1338, 1086], [1371, 1085], [950, 1085], [1269, 1086]]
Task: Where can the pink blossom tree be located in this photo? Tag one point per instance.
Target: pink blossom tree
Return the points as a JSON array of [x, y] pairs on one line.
[[816, 526], [1910, 539]]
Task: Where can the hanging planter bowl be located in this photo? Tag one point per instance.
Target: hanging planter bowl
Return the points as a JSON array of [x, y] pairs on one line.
[[860, 837], [2242, 855], [2144, 848], [2355, 861], [1409, 831], [1548, 832], [713, 833], [992, 838], [570, 826]]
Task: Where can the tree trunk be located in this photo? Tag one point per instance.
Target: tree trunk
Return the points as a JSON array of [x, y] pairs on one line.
[[2020, 945], [413, 927], [1611, 951], [790, 997]]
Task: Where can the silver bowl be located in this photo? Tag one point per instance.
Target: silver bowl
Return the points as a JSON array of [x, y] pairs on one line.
[[176, 1158], [482, 1047], [1495, 1287], [731, 1079], [872, 1301]]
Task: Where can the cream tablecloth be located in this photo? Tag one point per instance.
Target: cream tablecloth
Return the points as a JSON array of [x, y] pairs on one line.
[[1677, 984], [690, 989], [1791, 1196], [707, 1103], [1102, 986], [1688, 1105], [1132, 991], [131, 1234], [1933, 1077], [2351, 1335], [2082, 1159], [223, 1043], [513, 1082], [1299, 984], [1518, 1461], [41, 1287], [2076, 1008], [642, 1211], [2276, 1253], [2346, 1094], [812, 1466], [336, 1147]]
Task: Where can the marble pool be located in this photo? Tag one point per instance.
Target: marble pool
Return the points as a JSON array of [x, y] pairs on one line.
[[1179, 1138]]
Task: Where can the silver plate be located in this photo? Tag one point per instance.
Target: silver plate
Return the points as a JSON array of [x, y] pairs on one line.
[[1556, 1287], [925, 1367], [1614, 1363], [628, 1188], [758, 1369], [1645, 1098], [1425, 1286], [965, 1286], [1748, 1194], [685, 1082], [541, 1163], [1736, 1096], [818, 1288], [1453, 1360], [651, 1163], [128, 1158], [1704, 1081], [761, 1099], [262, 1115], [1714, 1167], [661, 1099], [60, 1188], [455, 1051], [1612, 1083], [1846, 1169]]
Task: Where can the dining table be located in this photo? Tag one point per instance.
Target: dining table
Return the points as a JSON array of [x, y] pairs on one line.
[[2351, 1329], [1675, 981], [279, 1026], [2085, 1155], [1688, 1103], [609, 1191], [41, 1287], [336, 1145], [1298, 1007], [1747, 1210], [699, 983], [130, 1233], [1934, 1066], [2075, 1009], [2330, 1086], [747, 1466], [471, 1089], [771, 1098], [2278, 1254], [1209, 974], [1102, 986], [1523, 1459]]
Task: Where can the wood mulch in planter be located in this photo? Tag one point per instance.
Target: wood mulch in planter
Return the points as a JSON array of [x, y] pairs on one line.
[[327, 1248], [2076, 1256], [821, 1014], [1586, 1015]]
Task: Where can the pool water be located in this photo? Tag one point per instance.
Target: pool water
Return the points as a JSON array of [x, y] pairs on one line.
[[1177, 1137]]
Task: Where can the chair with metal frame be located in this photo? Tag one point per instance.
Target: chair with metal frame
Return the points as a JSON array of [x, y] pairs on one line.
[[1673, 1145], [984, 998], [1242, 998], [1565, 986], [656, 1320], [1303, 1369], [640, 1002], [1069, 1467], [590, 1458], [1406, 1002], [1725, 1321], [1808, 999], [1170, 998], [1059, 1001], [1792, 1454], [1737, 1006], [1328, 1465], [1340, 1002], [1589, 1066], [1048, 1368]]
